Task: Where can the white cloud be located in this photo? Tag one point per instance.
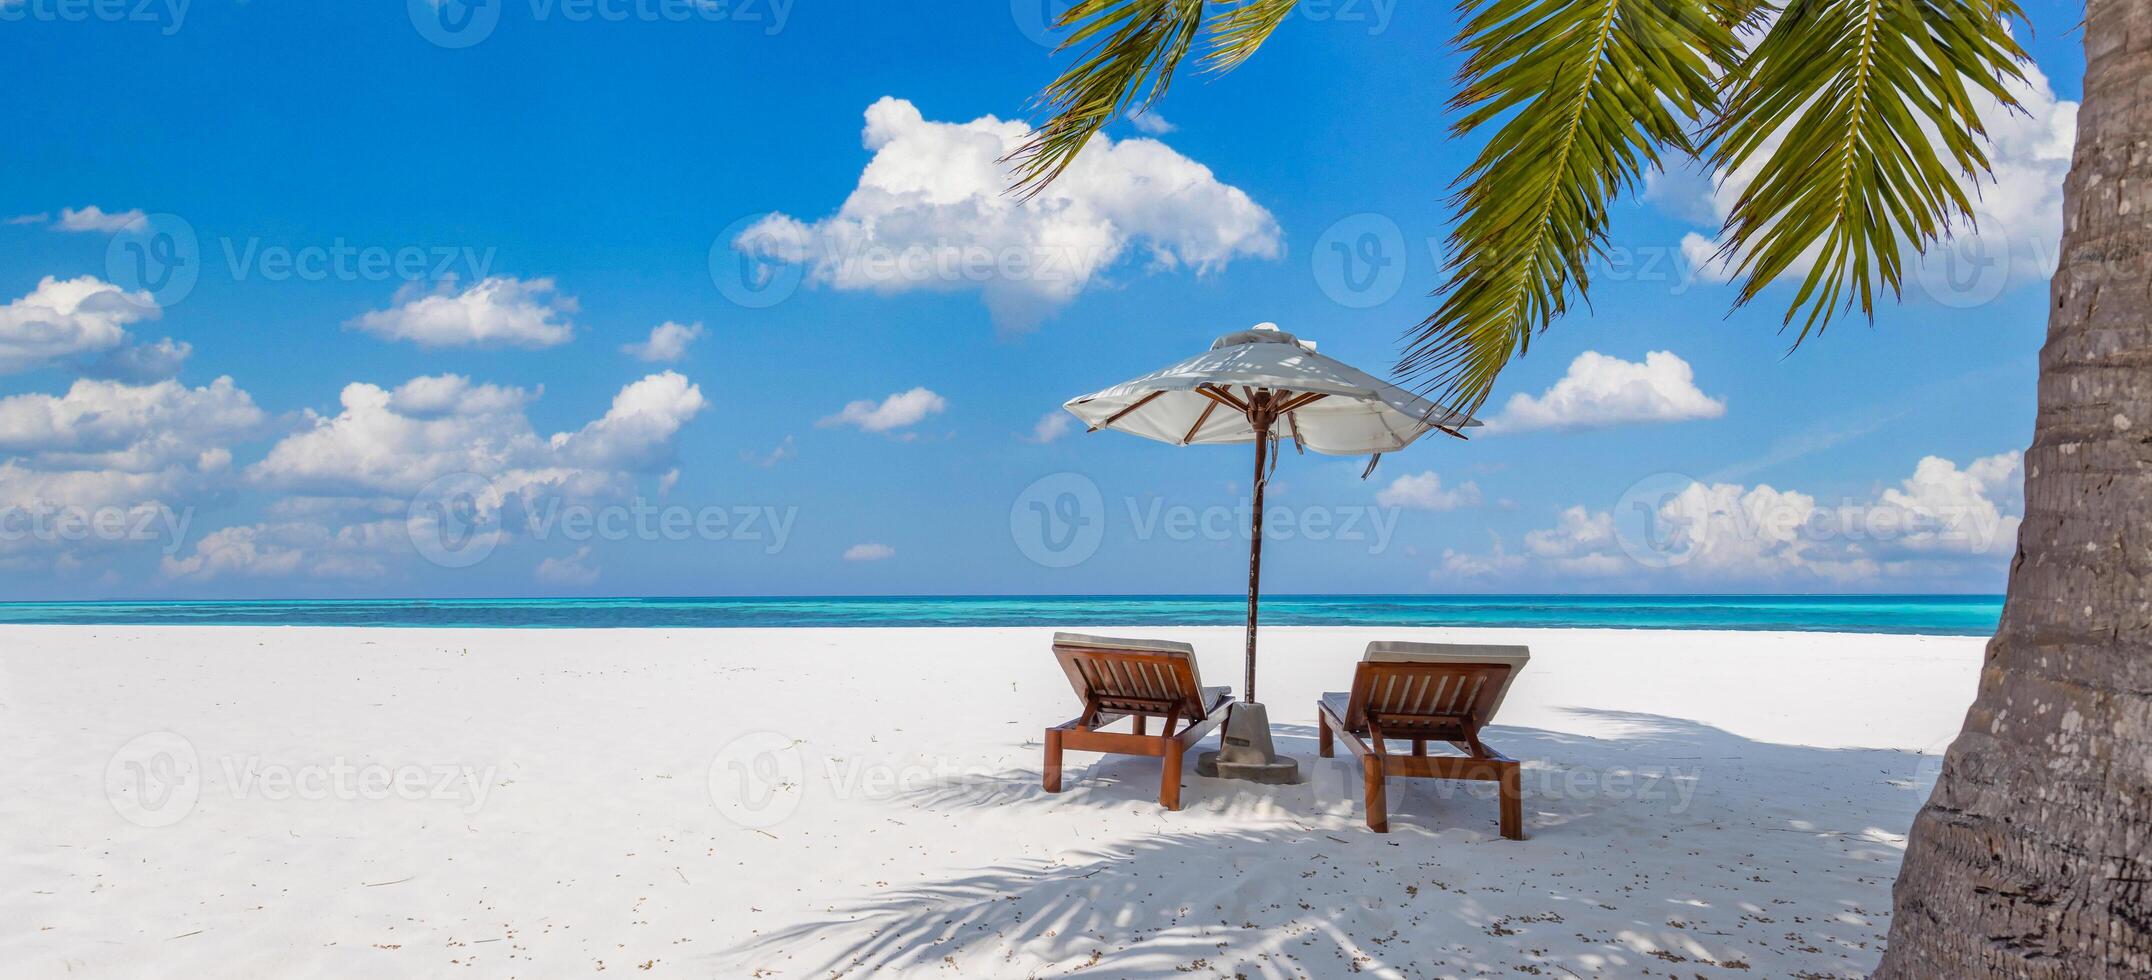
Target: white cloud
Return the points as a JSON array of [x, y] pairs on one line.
[[284, 550], [897, 411], [1600, 391], [869, 552], [138, 362], [636, 432], [1424, 491], [932, 212], [668, 342], [108, 425], [112, 465], [94, 218], [785, 450], [498, 311], [37, 218], [1051, 426], [64, 318], [1151, 123], [1944, 526], [395, 442], [575, 569], [2020, 211]]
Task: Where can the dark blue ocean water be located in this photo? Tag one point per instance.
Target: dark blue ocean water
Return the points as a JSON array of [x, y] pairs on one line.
[[1931, 614]]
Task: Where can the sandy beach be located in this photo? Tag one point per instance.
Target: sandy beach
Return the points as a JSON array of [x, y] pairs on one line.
[[791, 803]]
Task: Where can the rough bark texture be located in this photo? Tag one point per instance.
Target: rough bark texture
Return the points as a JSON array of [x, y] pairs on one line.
[[2034, 856]]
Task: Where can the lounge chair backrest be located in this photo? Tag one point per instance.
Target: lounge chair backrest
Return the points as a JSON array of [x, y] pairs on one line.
[[1444, 690], [1119, 675]]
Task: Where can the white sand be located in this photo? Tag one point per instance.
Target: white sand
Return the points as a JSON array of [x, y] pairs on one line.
[[1699, 804]]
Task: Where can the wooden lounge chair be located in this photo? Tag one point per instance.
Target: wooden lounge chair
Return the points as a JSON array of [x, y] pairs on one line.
[[1139, 678], [1421, 691]]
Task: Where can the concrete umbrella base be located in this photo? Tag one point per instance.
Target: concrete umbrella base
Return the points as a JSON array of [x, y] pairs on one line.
[[1248, 753]]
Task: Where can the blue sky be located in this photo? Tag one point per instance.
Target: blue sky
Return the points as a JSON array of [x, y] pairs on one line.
[[584, 173]]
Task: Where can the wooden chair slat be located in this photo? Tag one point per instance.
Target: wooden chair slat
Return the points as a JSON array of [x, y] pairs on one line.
[[1445, 701], [1143, 683]]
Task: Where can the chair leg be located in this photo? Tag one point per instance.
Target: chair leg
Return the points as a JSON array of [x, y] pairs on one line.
[[1419, 747], [1512, 803], [1169, 785], [1141, 725], [1322, 736], [1378, 801], [1052, 775]]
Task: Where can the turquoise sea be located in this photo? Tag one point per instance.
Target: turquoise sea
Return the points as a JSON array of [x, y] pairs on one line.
[[1956, 615]]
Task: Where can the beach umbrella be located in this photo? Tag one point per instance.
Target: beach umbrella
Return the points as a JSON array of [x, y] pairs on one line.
[[1267, 387]]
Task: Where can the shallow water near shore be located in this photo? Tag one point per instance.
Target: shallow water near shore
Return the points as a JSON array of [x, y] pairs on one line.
[[1939, 615]]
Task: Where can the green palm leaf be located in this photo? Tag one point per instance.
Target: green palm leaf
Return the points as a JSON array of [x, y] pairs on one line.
[[1852, 106], [1134, 48], [1582, 95]]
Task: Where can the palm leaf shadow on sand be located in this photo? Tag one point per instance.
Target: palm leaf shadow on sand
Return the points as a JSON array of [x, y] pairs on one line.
[[1627, 870]]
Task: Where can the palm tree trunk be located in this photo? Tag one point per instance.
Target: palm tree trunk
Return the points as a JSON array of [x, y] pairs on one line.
[[2034, 856]]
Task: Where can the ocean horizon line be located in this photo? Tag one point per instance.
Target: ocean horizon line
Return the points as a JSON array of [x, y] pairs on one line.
[[1952, 614]]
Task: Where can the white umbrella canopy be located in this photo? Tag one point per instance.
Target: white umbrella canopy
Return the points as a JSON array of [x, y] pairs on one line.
[[1319, 402], [1264, 386]]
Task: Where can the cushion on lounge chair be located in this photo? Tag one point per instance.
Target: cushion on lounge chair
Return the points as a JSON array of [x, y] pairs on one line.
[[1131, 644], [1402, 652], [1118, 683]]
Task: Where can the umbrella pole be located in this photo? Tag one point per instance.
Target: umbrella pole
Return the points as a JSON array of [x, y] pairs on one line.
[[1259, 414]]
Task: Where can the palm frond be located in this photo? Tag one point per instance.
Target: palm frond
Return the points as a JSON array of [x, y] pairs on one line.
[[1236, 33], [1586, 93], [1135, 47], [1846, 111]]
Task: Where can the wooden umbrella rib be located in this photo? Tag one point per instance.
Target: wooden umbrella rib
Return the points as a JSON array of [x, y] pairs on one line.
[[1116, 417], [1217, 394], [1200, 419], [1302, 399]]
